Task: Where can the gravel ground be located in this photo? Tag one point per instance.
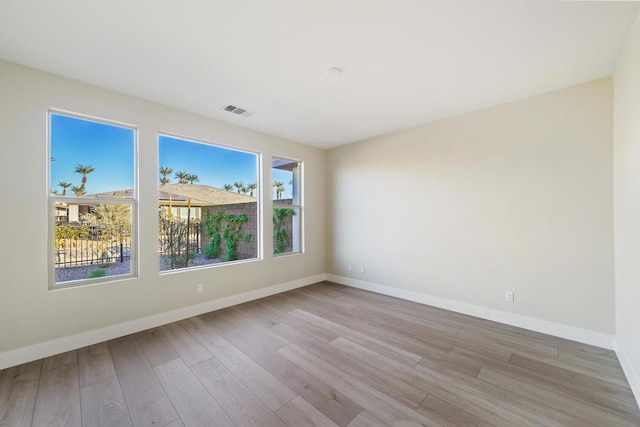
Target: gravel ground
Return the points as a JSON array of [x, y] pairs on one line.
[[66, 274], [198, 260]]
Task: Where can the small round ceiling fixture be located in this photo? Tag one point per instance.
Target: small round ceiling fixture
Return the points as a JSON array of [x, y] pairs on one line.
[[335, 71]]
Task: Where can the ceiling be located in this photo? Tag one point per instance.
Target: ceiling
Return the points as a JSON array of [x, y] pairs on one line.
[[405, 62]]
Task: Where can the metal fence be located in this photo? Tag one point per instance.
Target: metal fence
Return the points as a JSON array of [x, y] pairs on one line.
[[173, 237], [78, 244]]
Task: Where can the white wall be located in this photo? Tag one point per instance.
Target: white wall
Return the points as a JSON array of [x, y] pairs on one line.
[[516, 197], [29, 313], [627, 205]]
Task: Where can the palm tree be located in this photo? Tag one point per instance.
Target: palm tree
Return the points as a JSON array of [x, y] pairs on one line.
[[64, 186], [192, 178], [78, 190], [84, 170], [244, 190], [239, 185], [165, 172], [252, 187], [182, 177], [228, 187], [279, 187]]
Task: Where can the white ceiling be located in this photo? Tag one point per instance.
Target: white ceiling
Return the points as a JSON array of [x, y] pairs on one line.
[[406, 62]]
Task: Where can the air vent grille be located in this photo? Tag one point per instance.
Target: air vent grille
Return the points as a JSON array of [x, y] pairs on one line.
[[237, 110]]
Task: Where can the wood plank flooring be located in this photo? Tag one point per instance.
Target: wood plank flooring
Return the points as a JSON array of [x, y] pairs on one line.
[[324, 355]]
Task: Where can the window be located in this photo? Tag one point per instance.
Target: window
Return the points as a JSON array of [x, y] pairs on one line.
[[207, 204], [92, 198], [287, 206]]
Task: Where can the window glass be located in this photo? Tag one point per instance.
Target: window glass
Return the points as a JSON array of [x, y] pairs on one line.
[[207, 204], [287, 205], [92, 196]]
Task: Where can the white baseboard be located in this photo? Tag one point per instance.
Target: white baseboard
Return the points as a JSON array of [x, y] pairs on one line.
[[61, 345], [629, 372], [551, 328]]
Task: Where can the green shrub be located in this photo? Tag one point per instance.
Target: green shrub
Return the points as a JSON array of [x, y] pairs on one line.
[[175, 238], [280, 235], [98, 272], [212, 250], [224, 227]]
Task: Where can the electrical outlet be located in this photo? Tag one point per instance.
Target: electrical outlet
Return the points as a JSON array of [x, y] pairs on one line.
[[362, 269], [508, 295], [199, 288]]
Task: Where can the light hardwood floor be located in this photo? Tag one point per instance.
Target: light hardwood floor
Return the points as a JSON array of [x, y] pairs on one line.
[[324, 355]]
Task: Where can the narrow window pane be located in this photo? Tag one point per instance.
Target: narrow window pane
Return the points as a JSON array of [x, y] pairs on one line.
[[207, 203], [287, 206], [286, 230]]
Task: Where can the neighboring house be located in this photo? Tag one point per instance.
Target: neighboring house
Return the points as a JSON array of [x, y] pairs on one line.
[[171, 196], [176, 197], [62, 212]]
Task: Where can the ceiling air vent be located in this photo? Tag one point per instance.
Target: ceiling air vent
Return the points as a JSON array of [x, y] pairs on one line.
[[237, 110]]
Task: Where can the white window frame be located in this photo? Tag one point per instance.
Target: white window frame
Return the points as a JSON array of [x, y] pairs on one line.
[[259, 201], [298, 244], [52, 199]]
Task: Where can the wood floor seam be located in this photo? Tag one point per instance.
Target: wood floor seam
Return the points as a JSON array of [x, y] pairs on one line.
[[324, 355]]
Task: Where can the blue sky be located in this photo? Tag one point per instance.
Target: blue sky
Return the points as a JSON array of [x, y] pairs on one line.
[[285, 177], [214, 166], [110, 149]]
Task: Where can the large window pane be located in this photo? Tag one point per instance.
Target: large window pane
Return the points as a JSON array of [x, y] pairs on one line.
[[207, 204], [92, 200]]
